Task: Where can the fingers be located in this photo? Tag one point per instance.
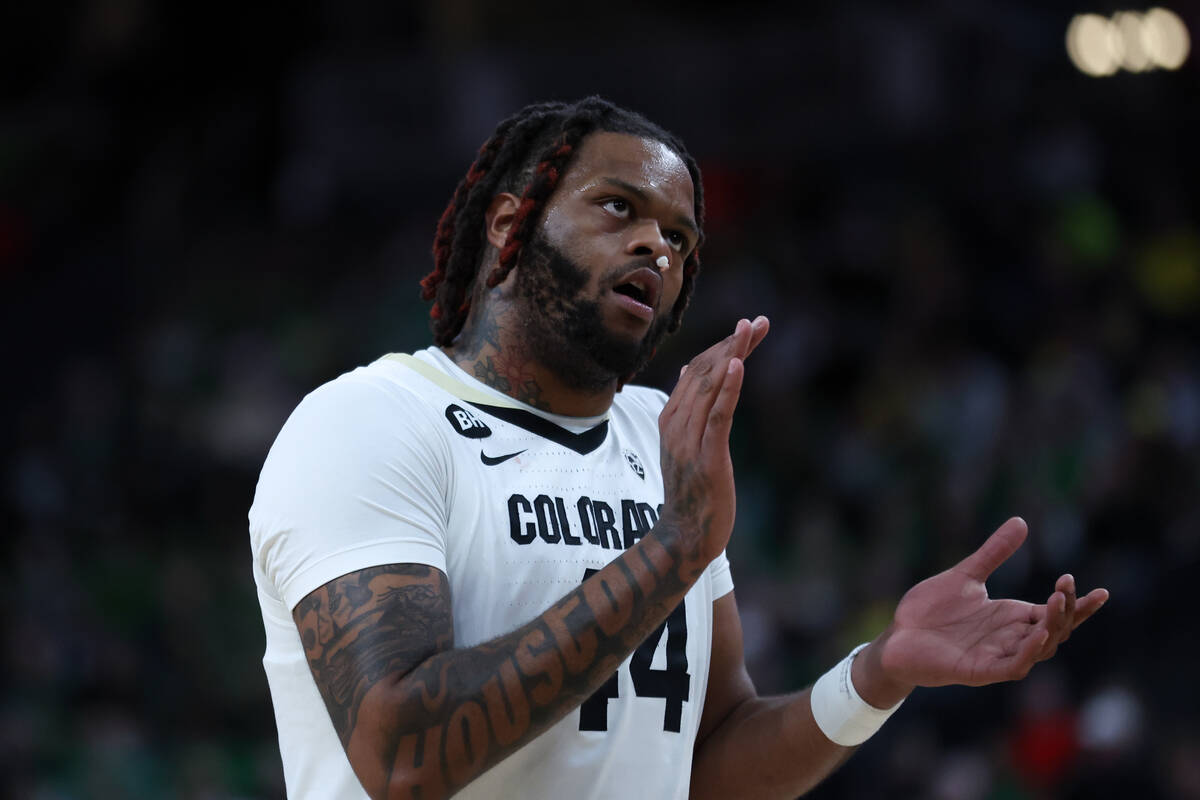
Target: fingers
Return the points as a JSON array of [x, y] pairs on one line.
[[706, 375], [1066, 585], [1062, 622], [758, 332], [695, 425], [1065, 613], [1031, 647], [701, 365], [1029, 633], [1060, 610], [720, 416], [732, 346], [701, 405], [1089, 604], [701, 380], [996, 550]]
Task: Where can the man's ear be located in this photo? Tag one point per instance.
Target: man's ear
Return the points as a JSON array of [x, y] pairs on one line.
[[499, 218]]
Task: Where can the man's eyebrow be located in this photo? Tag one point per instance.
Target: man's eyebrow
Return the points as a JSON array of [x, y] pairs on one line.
[[682, 219]]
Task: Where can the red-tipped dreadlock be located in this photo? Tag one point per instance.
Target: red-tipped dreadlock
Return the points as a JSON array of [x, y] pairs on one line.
[[527, 154]]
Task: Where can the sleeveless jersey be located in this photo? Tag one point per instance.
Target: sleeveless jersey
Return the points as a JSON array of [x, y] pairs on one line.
[[411, 460]]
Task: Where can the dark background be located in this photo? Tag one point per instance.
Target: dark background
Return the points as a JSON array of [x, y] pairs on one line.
[[982, 269]]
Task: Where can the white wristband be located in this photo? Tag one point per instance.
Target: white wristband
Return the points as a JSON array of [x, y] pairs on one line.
[[843, 716]]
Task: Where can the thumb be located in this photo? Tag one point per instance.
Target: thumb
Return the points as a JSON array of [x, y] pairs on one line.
[[997, 549]]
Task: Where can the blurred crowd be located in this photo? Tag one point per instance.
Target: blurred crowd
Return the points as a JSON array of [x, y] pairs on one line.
[[982, 270]]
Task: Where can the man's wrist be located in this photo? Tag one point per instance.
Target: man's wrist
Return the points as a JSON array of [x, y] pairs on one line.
[[840, 711], [871, 680], [685, 541]]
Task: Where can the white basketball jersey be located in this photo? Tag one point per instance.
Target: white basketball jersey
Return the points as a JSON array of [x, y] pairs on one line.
[[410, 460]]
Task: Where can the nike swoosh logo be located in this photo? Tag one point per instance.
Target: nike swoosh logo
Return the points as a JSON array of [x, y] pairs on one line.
[[492, 461]]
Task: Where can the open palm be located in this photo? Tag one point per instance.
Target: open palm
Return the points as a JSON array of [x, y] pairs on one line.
[[947, 629]]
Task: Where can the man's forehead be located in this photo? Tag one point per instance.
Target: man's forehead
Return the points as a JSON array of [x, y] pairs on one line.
[[633, 159]]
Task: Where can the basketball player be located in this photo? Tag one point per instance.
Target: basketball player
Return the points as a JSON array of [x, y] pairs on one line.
[[492, 568]]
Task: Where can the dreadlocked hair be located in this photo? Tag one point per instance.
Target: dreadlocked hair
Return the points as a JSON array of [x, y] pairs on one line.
[[526, 155]]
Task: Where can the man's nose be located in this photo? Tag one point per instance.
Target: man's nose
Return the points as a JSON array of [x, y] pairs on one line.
[[647, 240]]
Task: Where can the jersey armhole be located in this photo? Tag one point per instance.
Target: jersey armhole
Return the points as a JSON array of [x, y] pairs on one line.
[[721, 576], [360, 557]]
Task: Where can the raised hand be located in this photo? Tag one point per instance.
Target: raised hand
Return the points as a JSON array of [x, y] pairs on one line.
[[947, 630], [694, 428]]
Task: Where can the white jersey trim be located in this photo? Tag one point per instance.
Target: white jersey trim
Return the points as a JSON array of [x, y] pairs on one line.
[[358, 557]]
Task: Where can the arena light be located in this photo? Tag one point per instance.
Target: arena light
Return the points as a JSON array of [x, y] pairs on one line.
[[1132, 40], [1091, 45], [1127, 27], [1166, 38]]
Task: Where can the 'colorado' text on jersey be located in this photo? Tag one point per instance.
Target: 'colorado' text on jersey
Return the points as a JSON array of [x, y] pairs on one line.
[[410, 460]]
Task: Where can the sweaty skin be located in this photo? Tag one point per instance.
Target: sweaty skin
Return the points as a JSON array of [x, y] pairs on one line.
[[554, 333]]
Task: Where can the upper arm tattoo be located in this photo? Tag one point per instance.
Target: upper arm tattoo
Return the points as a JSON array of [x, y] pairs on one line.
[[363, 627]]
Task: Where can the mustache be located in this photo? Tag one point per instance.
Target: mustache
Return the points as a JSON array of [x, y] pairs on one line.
[[616, 273]]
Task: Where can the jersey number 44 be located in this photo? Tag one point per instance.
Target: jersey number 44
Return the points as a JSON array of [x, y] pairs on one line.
[[670, 684]]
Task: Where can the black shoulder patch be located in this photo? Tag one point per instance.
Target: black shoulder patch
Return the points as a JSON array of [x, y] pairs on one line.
[[466, 423]]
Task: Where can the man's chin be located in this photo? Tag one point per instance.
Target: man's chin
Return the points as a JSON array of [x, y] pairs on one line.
[[625, 354]]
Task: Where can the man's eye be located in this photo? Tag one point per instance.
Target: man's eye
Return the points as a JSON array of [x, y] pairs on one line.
[[617, 206], [677, 240]]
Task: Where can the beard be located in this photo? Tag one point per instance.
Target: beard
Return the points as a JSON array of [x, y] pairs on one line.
[[564, 328]]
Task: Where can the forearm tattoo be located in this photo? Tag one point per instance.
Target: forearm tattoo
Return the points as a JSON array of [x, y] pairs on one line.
[[447, 715]]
